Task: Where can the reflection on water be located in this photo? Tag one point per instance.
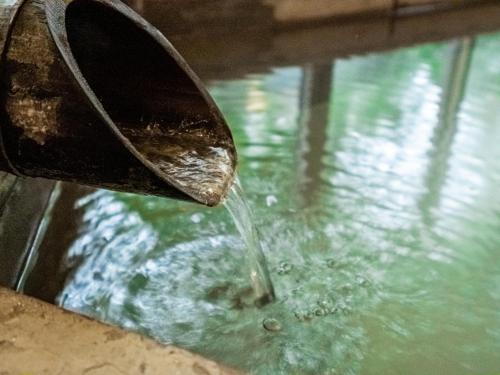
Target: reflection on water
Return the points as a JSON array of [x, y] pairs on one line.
[[374, 182]]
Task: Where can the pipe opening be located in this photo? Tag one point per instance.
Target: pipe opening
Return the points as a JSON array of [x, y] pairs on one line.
[[159, 109]]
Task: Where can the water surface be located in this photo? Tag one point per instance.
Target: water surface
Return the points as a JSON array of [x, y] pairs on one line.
[[375, 183]]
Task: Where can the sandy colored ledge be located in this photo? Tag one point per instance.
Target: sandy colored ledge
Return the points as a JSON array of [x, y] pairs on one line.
[[37, 338]]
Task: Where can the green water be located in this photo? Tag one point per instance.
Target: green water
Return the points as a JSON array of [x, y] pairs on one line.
[[374, 182]]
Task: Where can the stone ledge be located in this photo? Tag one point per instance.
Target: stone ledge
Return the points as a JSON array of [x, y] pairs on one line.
[[37, 338]]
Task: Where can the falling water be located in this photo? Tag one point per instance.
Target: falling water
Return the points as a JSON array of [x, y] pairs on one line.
[[241, 213]]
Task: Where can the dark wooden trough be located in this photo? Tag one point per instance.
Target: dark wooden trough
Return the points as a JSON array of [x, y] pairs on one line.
[[91, 93]]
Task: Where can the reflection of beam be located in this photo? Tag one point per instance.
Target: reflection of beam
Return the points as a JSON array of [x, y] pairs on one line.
[[314, 107], [225, 39], [446, 128], [314, 11], [23, 205], [49, 272]]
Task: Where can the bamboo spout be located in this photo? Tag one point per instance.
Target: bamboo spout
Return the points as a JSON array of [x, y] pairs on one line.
[[93, 94]]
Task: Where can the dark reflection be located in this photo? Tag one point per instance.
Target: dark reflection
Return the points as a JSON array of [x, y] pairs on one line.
[[50, 271], [223, 39], [455, 81], [316, 87]]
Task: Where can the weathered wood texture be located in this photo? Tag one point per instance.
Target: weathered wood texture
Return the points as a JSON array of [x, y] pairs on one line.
[[56, 126], [38, 338]]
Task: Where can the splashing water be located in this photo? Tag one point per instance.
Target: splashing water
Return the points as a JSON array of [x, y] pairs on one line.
[[241, 213]]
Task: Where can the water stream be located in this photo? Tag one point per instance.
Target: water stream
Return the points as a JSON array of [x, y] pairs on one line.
[[241, 213]]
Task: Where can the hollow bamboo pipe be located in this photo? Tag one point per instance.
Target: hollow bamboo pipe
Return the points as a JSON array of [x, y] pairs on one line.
[[91, 93]]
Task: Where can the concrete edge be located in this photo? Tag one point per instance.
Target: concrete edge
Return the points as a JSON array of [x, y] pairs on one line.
[[39, 338]]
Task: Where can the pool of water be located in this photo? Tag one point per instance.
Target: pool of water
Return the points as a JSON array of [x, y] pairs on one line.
[[374, 182]]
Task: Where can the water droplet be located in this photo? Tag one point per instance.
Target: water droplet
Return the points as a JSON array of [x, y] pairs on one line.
[[271, 324], [284, 268]]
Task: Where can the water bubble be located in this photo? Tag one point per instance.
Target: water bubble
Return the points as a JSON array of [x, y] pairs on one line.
[[303, 316], [318, 311], [271, 324], [284, 268], [333, 310], [323, 303], [196, 218], [271, 200], [326, 305]]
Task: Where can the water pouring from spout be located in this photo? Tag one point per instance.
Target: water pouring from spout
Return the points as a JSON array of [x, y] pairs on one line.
[[241, 213]]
